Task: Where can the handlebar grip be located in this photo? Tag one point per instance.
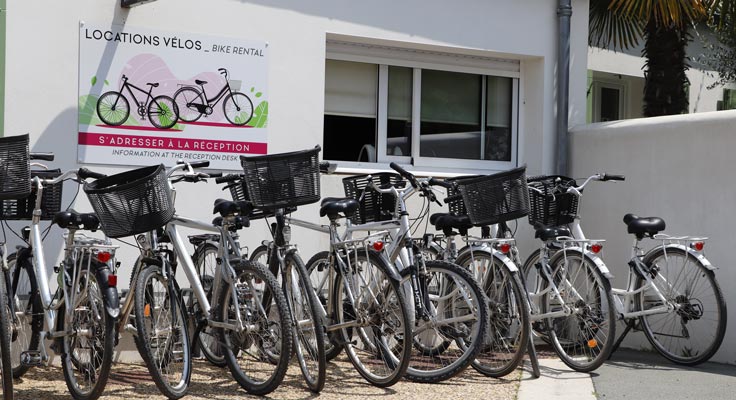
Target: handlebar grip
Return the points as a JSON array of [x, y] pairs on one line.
[[84, 173], [440, 182], [41, 156], [327, 167], [406, 174], [609, 177], [453, 198], [228, 178], [196, 164], [214, 174]]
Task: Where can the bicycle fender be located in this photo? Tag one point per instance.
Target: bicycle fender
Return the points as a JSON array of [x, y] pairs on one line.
[[109, 293], [596, 260], [698, 255], [506, 260]]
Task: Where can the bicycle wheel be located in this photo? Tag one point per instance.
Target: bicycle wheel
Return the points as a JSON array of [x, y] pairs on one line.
[[308, 322], [161, 323], [319, 269], [371, 306], [206, 336], [113, 108], [450, 336], [163, 112], [6, 367], [584, 338], [529, 273], [238, 108], [508, 329], [693, 332], [28, 322], [87, 350], [188, 99]]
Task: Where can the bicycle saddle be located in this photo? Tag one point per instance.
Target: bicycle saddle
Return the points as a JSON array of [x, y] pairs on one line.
[[446, 222], [153, 84], [74, 220], [550, 233], [333, 206], [227, 207], [198, 82], [643, 226]]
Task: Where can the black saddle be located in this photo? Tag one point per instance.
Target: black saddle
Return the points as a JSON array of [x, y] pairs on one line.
[[198, 82], [550, 233], [74, 220], [643, 226], [227, 208], [153, 84], [333, 206], [204, 237], [447, 222]]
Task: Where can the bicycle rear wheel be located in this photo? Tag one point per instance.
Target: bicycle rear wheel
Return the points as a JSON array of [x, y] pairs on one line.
[[163, 112], [320, 272], [189, 100], [28, 320], [583, 339], [693, 332], [162, 330], [508, 329], [6, 374], [451, 336]]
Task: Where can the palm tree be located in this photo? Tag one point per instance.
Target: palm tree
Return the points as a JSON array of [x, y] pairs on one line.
[[665, 27]]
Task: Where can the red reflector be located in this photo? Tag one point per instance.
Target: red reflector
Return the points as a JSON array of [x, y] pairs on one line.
[[112, 280], [596, 248], [378, 246], [505, 247], [698, 246], [103, 256]]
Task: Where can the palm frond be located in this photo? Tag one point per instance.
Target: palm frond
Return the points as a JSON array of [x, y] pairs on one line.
[[609, 28]]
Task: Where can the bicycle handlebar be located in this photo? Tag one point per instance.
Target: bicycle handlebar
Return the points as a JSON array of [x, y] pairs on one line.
[[228, 178], [440, 182], [452, 198], [196, 164], [41, 156], [609, 177], [406, 174], [327, 167], [84, 173]]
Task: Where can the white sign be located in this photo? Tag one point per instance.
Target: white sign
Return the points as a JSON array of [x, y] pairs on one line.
[[148, 97]]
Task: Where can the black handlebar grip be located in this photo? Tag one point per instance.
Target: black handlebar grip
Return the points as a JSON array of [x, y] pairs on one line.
[[214, 174], [41, 156], [453, 198], [84, 173], [196, 164], [609, 177], [228, 178], [440, 182], [406, 174]]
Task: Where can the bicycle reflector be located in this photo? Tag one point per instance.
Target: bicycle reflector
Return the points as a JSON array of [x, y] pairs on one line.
[[112, 280], [103, 256], [596, 248], [378, 245], [505, 248], [697, 246]]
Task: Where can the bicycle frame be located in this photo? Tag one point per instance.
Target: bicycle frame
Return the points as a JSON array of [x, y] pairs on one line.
[[127, 85], [211, 102]]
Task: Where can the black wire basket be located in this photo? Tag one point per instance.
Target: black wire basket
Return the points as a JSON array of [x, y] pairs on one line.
[[551, 205], [456, 205], [15, 167], [239, 192], [282, 180], [132, 202], [22, 209], [495, 198], [375, 206]]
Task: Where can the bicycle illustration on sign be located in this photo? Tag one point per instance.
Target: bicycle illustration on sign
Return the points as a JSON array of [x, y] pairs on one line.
[[193, 103], [113, 107]]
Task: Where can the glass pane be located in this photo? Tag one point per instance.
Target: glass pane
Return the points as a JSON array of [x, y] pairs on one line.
[[609, 104], [498, 118], [398, 141], [450, 116], [351, 91]]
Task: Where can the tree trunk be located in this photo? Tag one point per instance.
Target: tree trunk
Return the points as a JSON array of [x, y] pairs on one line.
[[666, 85]]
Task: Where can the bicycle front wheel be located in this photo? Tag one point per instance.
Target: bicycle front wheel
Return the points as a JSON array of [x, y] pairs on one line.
[[320, 273], [86, 356], [583, 338], [162, 331], [163, 112], [508, 329], [6, 374], [451, 334], [189, 101], [113, 108], [238, 108], [28, 320], [693, 332]]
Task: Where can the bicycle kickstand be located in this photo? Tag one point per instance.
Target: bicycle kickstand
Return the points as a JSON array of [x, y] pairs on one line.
[[532, 351], [629, 325]]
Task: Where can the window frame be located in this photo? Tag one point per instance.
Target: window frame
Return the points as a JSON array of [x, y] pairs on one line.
[[621, 87], [385, 57]]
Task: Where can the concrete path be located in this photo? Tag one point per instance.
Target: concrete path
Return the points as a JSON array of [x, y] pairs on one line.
[[557, 382]]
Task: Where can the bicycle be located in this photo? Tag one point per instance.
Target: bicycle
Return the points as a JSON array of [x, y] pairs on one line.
[[447, 309], [80, 316], [113, 107], [141, 201], [670, 286], [193, 103]]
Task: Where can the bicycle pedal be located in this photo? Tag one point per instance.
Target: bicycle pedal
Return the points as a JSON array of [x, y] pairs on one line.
[[31, 358]]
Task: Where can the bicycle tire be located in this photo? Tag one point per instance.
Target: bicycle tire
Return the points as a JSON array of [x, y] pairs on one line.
[[467, 340], [206, 336], [529, 273], [240, 111], [109, 111], [252, 279], [380, 354], [7, 367], [696, 350], [577, 337], [163, 112], [508, 329], [29, 312], [74, 364], [309, 342], [333, 347], [156, 299], [186, 98]]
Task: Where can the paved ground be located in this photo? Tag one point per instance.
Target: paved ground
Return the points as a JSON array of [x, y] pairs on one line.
[[641, 375]]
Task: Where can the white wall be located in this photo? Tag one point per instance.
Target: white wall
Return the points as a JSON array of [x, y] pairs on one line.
[[679, 168]]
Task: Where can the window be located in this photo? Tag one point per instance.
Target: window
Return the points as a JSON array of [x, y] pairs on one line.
[[430, 114], [608, 101]]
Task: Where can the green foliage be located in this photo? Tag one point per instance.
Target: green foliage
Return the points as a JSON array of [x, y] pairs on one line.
[[94, 80], [260, 116], [259, 94], [88, 111]]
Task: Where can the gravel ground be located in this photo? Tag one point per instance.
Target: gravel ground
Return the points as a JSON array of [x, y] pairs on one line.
[[132, 381]]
